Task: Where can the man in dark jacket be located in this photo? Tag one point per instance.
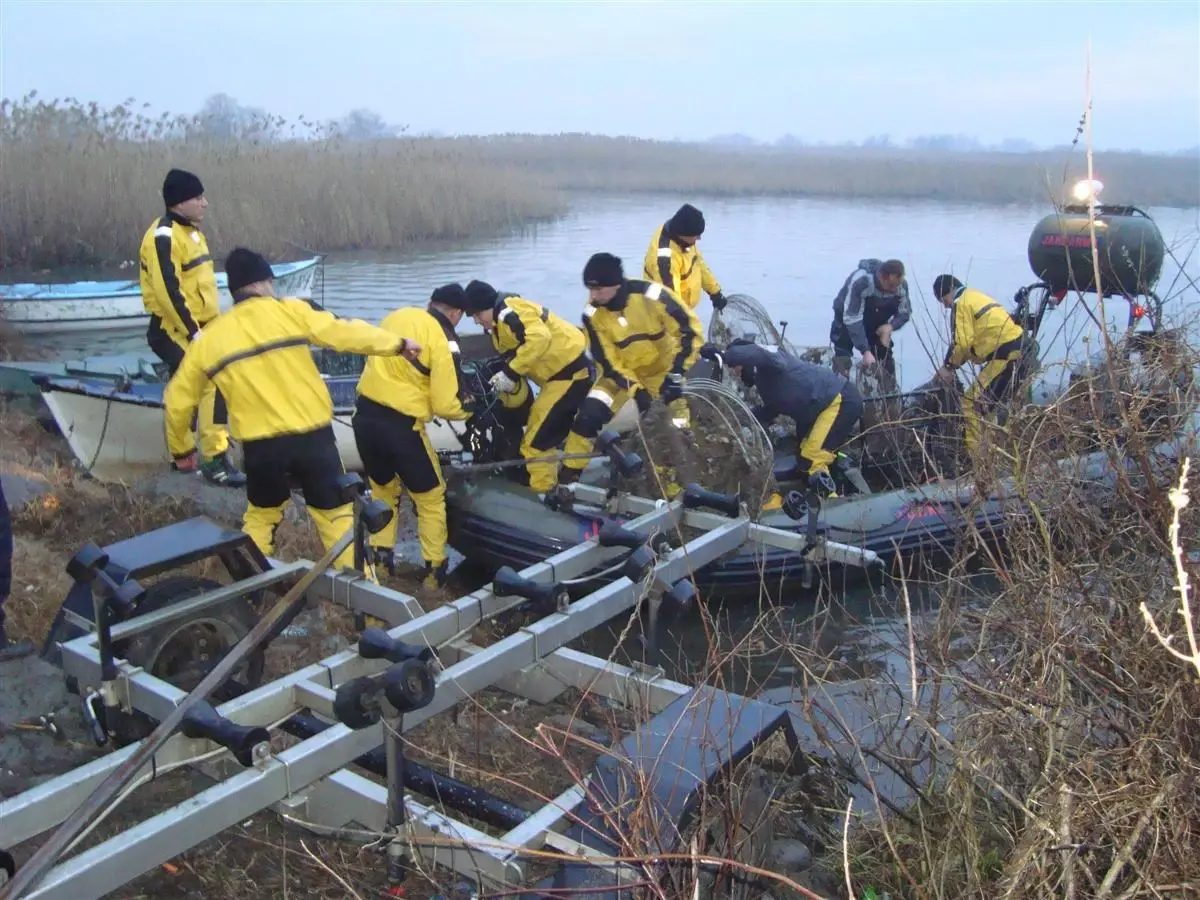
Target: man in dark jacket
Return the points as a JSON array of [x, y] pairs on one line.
[[23, 648], [872, 305], [825, 406]]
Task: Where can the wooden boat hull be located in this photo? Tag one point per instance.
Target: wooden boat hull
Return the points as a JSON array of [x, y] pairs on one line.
[[117, 434], [32, 308]]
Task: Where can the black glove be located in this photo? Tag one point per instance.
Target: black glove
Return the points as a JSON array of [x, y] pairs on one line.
[[672, 388], [718, 301], [643, 400], [761, 415], [710, 351]]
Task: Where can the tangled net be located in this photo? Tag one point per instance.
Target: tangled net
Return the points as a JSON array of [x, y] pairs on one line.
[[725, 450], [745, 317]]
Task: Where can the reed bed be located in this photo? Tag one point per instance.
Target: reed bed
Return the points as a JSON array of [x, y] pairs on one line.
[[79, 183], [590, 162]]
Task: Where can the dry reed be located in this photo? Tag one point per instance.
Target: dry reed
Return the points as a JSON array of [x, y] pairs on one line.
[[79, 183]]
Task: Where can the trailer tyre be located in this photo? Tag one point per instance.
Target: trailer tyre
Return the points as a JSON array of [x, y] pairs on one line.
[[182, 652]]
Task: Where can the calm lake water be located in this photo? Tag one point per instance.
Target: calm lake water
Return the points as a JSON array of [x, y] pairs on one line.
[[791, 254]]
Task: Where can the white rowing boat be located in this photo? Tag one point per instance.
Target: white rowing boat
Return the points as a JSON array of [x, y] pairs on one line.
[[32, 308]]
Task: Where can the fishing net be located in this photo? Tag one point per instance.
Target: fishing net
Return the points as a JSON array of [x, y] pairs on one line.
[[745, 317], [726, 449]]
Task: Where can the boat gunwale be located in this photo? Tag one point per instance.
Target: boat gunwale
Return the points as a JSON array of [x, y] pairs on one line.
[[43, 292]]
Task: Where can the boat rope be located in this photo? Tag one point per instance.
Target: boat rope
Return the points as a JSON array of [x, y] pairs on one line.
[[103, 431]]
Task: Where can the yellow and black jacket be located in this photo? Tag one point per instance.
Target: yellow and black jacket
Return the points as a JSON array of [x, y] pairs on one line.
[[643, 331], [535, 343], [683, 270], [429, 387], [258, 356], [179, 284], [981, 330]]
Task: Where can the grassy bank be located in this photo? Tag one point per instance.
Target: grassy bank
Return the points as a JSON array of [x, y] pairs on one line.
[[79, 184]]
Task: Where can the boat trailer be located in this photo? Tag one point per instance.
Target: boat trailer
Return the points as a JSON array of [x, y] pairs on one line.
[[348, 706]]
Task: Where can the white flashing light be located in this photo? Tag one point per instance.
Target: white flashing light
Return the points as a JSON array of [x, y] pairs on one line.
[[1087, 190]]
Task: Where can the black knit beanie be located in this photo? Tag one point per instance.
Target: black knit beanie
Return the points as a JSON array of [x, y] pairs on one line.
[[451, 295], [603, 270], [180, 186], [479, 296], [687, 222], [244, 267], [945, 284]]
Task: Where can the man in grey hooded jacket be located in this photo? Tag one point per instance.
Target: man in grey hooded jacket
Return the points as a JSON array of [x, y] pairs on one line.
[[872, 305]]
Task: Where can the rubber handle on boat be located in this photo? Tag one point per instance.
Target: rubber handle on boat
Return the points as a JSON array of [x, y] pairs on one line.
[[375, 643], [507, 583], [356, 703], [627, 463], [682, 595], [409, 685], [695, 496], [203, 721], [613, 534]]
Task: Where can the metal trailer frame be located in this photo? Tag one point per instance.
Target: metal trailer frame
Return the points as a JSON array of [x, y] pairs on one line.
[[309, 782]]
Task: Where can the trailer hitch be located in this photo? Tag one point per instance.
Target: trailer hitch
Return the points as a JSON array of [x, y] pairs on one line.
[[112, 604], [405, 686]]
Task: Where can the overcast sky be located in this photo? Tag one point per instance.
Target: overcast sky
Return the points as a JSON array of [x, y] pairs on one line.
[[677, 69]]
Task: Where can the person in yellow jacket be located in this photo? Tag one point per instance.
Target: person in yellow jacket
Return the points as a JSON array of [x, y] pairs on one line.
[[179, 291], [675, 261], [642, 339], [982, 332], [545, 349], [396, 400], [258, 355]]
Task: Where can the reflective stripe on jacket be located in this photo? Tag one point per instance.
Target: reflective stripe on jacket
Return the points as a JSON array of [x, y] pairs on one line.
[[258, 356], [683, 270], [643, 330], [980, 328], [178, 281], [427, 388], [534, 341]]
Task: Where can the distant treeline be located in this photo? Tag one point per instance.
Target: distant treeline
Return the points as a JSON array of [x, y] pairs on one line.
[[79, 183]]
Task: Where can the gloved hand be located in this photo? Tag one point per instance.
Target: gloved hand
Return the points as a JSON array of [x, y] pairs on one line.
[[672, 388], [760, 415], [718, 301], [643, 400], [710, 351], [503, 383]]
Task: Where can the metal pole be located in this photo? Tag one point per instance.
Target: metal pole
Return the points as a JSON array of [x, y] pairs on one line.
[[397, 871], [32, 872], [512, 463]]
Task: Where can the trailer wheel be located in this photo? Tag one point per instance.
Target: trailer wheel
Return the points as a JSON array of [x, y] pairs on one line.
[[184, 651]]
